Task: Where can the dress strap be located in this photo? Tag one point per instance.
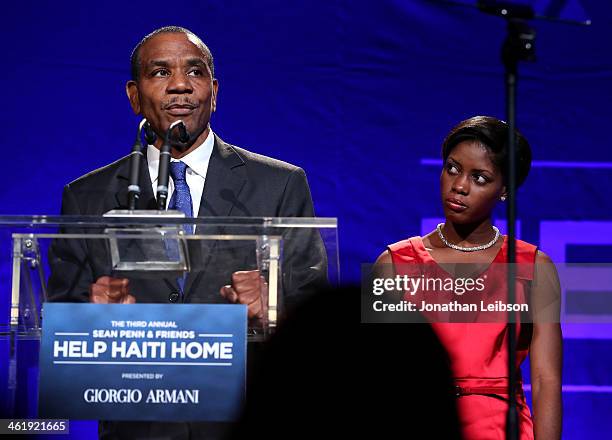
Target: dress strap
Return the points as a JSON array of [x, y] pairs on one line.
[[525, 259], [407, 257], [408, 251]]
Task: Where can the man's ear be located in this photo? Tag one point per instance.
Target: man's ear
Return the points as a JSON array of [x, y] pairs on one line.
[[131, 88], [215, 91]]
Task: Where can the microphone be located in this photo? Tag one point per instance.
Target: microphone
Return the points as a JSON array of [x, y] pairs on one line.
[[135, 156], [163, 177], [150, 136], [183, 134]]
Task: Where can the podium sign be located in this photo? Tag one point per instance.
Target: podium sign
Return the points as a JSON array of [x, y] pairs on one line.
[[57, 259], [180, 362]]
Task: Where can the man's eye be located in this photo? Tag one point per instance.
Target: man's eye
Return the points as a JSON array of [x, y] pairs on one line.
[[195, 72], [160, 72]]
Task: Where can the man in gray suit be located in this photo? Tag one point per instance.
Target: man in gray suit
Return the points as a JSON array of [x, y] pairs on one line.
[[173, 78]]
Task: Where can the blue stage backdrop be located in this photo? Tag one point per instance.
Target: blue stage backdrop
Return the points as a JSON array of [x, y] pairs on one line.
[[358, 93]]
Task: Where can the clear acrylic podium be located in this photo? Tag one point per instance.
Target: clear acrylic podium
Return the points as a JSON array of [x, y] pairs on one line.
[[166, 258]]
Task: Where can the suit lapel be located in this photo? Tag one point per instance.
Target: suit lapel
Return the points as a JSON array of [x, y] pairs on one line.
[[225, 179], [147, 198]]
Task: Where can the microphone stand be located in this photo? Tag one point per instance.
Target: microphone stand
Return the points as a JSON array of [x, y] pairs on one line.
[[135, 157], [123, 240], [518, 46], [163, 177]]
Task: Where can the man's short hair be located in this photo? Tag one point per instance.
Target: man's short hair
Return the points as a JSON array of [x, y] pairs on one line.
[[135, 58]]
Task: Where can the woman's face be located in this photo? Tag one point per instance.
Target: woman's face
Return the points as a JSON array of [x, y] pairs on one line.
[[470, 184]]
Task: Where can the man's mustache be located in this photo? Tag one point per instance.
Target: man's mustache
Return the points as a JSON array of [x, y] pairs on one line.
[[179, 102]]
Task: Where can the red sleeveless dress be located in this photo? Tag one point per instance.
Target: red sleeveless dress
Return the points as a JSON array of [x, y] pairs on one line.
[[478, 352]]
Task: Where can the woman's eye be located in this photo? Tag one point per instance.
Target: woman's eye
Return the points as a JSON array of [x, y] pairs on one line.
[[480, 179], [452, 169]]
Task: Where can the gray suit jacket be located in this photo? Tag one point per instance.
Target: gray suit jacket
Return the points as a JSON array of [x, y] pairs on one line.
[[238, 183]]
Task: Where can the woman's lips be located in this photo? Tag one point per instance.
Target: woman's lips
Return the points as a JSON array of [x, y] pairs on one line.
[[455, 205]]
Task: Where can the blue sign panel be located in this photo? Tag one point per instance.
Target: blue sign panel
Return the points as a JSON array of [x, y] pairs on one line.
[[182, 362]]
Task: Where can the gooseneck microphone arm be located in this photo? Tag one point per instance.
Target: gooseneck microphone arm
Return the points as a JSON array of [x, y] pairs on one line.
[[135, 157], [163, 177]]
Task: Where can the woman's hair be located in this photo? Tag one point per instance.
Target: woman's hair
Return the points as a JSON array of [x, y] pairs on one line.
[[493, 135]]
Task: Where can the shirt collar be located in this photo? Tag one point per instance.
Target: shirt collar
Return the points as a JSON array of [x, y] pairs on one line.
[[197, 160]]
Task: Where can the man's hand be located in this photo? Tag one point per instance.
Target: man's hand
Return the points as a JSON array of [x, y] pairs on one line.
[[247, 288], [109, 290]]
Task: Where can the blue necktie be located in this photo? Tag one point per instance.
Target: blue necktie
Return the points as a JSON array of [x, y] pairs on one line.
[[181, 201], [181, 197]]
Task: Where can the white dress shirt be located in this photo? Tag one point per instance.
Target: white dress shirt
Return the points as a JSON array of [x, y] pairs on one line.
[[197, 166]]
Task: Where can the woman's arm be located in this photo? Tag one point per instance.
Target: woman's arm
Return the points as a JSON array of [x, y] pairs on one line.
[[383, 266], [381, 270], [546, 351]]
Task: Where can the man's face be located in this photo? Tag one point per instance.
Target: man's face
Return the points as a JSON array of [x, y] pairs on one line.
[[175, 83]]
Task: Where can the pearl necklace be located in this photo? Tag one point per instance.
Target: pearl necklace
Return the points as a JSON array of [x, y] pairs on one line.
[[482, 247]]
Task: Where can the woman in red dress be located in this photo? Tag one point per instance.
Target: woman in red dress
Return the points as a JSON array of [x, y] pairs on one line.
[[472, 182]]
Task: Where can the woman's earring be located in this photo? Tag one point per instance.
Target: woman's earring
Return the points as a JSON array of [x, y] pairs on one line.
[[502, 198]]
